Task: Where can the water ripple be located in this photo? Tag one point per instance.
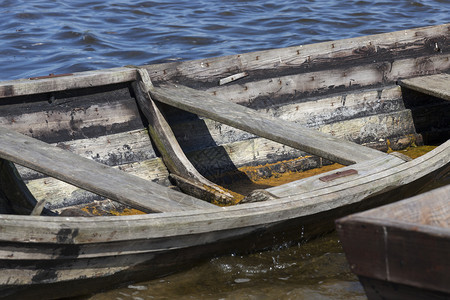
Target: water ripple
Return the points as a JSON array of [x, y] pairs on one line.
[[41, 37]]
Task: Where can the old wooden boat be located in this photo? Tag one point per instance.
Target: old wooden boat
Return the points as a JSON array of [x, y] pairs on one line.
[[164, 139], [401, 250]]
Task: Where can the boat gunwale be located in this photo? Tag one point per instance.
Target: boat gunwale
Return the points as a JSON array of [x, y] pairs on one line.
[[390, 223], [164, 71]]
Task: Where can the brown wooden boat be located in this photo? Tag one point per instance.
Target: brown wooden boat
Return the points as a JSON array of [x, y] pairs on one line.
[[79, 151], [401, 250]]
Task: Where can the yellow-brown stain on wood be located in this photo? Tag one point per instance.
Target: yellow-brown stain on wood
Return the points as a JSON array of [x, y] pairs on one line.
[[415, 152], [240, 188], [279, 178], [95, 210]]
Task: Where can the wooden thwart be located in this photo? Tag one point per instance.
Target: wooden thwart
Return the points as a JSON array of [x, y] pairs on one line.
[[278, 130], [92, 176], [435, 85]]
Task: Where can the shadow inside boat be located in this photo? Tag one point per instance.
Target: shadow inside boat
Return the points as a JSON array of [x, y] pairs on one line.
[[430, 116], [204, 151]]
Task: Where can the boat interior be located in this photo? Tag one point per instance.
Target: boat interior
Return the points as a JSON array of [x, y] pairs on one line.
[[201, 126]]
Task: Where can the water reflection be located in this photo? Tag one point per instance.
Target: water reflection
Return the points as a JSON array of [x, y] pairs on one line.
[[315, 270]]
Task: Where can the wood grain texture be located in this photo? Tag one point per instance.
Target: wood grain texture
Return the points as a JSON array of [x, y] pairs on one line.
[[259, 93], [59, 194], [94, 177], [196, 133], [435, 85], [326, 55], [406, 242], [119, 149], [418, 42], [78, 80], [173, 156], [68, 119], [287, 133], [314, 183], [176, 224]]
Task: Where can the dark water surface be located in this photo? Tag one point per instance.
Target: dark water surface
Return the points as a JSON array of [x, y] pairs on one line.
[[39, 37], [314, 270]]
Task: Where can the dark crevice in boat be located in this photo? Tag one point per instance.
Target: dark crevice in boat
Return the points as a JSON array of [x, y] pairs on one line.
[[15, 196], [430, 115]]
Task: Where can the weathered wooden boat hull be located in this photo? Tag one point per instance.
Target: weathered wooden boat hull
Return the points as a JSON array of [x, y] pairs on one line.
[[344, 88], [66, 255], [401, 251]]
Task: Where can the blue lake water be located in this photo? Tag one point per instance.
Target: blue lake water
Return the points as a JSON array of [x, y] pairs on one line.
[[40, 37]]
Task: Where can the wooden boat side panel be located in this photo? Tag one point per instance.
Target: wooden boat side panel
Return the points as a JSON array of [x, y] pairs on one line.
[[401, 254], [64, 116], [429, 209], [313, 113], [421, 43], [379, 289], [294, 88], [307, 58], [275, 129], [406, 242], [379, 131], [72, 81]]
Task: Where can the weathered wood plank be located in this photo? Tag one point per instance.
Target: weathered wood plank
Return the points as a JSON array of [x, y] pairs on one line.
[[172, 154], [247, 119], [87, 174], [345, 52], [58, 194], [314, 183], [405, 242], [118, 149], [354, 51], [435, 85], [75, 81], [68, 119], [259, 93], [430, 209]]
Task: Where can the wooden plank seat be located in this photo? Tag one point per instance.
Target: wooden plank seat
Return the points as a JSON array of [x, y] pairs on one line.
[[278, 130], [435, 85], [94, 177]]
